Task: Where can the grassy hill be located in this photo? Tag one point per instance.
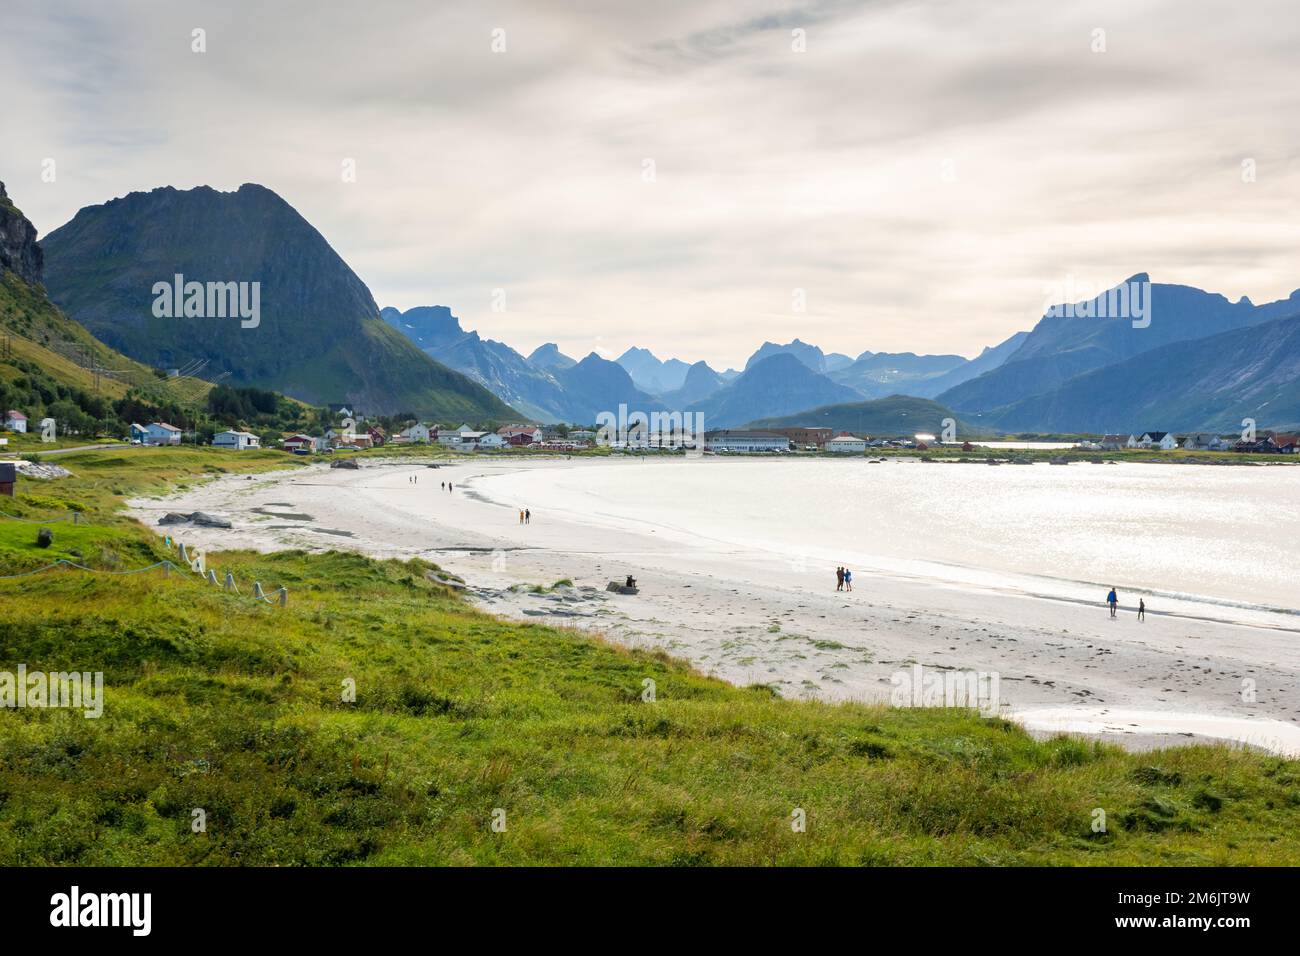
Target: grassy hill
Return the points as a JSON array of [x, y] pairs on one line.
[[46, 358], [220, 702], [898, 415]]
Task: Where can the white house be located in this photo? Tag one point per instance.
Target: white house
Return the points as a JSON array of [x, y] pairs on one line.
[[16, 421], [418, 434], [160, 433], [1165, 441], [731, 440], [844, 442], [491, 440], [1205, 441], [472, 439], [236, 439]]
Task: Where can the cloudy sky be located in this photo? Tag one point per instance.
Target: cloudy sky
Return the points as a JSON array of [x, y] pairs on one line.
[[668, 174]]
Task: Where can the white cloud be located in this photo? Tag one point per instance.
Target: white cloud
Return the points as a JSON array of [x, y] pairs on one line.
[[775, 169]]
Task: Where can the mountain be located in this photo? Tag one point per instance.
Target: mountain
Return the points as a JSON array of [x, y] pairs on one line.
[[428, 326], [1206, 384], [986, 361], [836, 361], [19, 252], [810, 355], [895, 416], [312, 329], [597, 385], [494, 365], [701, 382], [51, 365], [877, 374], [652, 375], [550, 357], [1065, 343], [777, 385]]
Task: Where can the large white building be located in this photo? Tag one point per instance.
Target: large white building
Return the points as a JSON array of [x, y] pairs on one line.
[[731, 440], [846, 443]]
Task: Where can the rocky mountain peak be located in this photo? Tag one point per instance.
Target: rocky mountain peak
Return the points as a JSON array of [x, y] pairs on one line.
[[19, 252]]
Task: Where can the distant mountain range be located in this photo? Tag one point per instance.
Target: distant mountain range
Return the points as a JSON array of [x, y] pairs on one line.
[[318, 338], [651, 374], [322, 339], [780, 384], [1204, 384], [1062, 347]]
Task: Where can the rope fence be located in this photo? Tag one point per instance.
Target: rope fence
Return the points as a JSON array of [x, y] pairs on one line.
[[76, 518], [197, 564]]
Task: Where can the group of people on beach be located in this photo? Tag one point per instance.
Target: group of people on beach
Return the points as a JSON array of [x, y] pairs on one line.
[[525, 516], [843, 579], [446, 485], [1112, 599]]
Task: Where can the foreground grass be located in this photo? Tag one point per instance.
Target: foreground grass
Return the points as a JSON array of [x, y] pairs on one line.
[[217, 702]]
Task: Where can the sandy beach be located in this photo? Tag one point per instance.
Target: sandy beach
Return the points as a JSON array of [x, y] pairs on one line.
[[750, 614]]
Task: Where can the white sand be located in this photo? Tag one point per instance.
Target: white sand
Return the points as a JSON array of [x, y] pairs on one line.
[[752, 616]]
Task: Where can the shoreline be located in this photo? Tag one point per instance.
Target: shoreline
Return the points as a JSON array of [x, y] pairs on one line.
[[724, 610]]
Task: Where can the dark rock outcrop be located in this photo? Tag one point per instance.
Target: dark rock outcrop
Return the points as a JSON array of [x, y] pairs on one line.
[[19, 252]]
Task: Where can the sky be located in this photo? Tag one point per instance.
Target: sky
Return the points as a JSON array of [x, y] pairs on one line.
[[696, 177]]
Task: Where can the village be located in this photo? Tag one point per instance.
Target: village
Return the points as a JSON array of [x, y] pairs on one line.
[[353, 435]]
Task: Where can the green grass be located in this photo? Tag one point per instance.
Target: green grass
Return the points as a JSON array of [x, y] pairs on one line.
[[219, 702]]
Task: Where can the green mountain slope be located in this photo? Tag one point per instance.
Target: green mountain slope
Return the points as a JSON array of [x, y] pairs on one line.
[[1209, 384], [318, 338], [50, 365], [898, 415]]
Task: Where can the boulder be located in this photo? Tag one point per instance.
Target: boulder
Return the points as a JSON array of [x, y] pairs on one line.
[[210, 521]]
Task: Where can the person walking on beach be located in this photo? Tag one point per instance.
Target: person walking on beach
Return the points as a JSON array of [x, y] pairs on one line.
[[1113, 600], [839, 579], [528, 516], [848, 580], [442, 485], [521, 515], [1142, 609]]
